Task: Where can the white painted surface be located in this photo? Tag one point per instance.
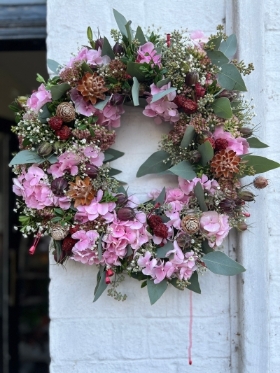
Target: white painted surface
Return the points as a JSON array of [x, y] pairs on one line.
[[236, 326]]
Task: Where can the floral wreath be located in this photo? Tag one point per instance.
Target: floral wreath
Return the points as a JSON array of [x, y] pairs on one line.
[[68, 190]]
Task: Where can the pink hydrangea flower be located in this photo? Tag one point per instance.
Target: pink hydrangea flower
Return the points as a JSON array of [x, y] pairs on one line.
[[215, 227], [187, 186], [110, 116], [199, 38], [84, 250], [147, 54], [67, 161], [95, 156], [91, 56], [81, 106], [239, 145], [39, 98], [163, 109]]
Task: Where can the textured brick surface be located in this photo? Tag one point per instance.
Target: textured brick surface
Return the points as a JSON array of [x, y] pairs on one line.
[[132, 336]]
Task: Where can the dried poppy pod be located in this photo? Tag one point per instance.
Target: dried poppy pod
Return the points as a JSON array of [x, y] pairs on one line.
[[260, 182], [190, 224], [66, 112]]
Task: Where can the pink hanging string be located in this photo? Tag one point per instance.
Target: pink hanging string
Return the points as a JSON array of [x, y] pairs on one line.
[[190, 330], [36, 241]]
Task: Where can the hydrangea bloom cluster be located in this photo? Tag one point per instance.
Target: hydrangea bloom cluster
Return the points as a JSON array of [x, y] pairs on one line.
[[67, 189]]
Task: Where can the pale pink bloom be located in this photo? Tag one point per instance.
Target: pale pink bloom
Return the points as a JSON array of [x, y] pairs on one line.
[[39, 98], [81, 106], [199, 38], [153, 194], [95, 156], [239, 145], [63, 202], [147, 264], [175, 194], [173, 209], [67, 161], [86, 240], [87, 256], [215, 227], [34, 175], [91, 56], [110, 116], [188, 186], [176, 255], [147, 54]]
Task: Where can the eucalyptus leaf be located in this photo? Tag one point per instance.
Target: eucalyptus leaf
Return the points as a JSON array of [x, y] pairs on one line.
[[219, 263], [138, 276], [183, 169], [101, 105], [217, 58], [161, 251], [206, 248], [26, 157], [155, 291], [101, 284], [53, 65], [230, 78], [59, 90], [140, 36], [163, 82], [174, 282], [114, 172], [222, 108], [135, 91], [260, 164], [216, 42], [206, 151], [121, 22], [129, 31], [188, 137], [156, 163], [161, 94], [199, 193], [194, 284], [114, 153], [161, 198], [256, 143], [144, 283], [86, 69], [107, 49], [108, 157], [44, 114], [99, 248], [134, 69], [229, 46]]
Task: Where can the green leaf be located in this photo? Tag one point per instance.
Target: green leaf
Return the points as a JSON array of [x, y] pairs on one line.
[[188, 137], [135, 91], [129, 31], [229, 46], [86, 69], [108, 157], [217, 58], [161, 251], [194, 284], [56, 219], [174, 282], [138, 276], [58, 211], [52, 159], [15, 107], [161, 198], [199, 193], [206, 248], [260, 164], [53, 65], [256, 143], [230, 78], [134, 69], [40, 79], [101, 105], [163, 82], [44, 114], [219, 263], [206, 151], [59, 90], [101, 284], [121, 22], [144, 283], [114, 153], [25, 157], [160, 95], [140, 36], [222, 108], [183, 169], [216, 42], [114, 172], [154, 164], [89, 33], [99, 247], [155, 291], [107, 49]]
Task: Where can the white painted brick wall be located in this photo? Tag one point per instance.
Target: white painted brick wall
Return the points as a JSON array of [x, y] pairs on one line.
[[133, 336]]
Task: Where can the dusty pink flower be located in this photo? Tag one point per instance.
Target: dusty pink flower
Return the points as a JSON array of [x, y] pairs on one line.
[[95, 156], [110, 116], [84, 250], [67, 161], [81, 106], [39, 98], [147, 54], [199, 38], [215, 227], [90, 56], [239, 145]]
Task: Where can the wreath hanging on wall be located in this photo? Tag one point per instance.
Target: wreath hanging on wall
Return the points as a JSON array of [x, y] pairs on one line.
[[67, 189]]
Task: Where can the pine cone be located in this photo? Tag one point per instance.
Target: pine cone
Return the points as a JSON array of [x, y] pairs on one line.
[[66, 112], [225, 164], [81, 191], [92, 87], [190, 224]]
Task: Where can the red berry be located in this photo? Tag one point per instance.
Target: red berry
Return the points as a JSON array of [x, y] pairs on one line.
[[55, 123], [221, 144], [154, 220], [64, 133], [161, 230], [189, 106], [68, 244], [74, 229]]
